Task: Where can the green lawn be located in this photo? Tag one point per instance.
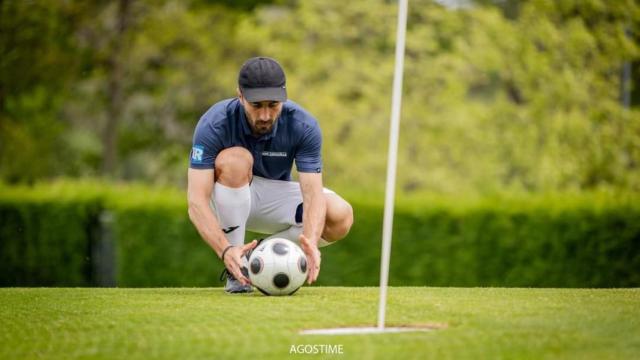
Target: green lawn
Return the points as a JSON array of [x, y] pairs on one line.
[[482, 323]]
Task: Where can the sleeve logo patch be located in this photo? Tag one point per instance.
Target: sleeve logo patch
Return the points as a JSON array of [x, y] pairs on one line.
[[196, 154]]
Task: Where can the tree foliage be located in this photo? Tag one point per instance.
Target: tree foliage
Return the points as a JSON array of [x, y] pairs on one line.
[[498, 94]]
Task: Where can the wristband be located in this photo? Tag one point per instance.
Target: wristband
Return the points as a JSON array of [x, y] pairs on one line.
[[225, 251]]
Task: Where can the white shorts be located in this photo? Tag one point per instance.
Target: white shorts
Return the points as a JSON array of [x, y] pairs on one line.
[[275, 205]]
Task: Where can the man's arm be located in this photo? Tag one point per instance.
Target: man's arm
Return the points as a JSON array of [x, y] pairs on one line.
[[199, 190], [314, 211]]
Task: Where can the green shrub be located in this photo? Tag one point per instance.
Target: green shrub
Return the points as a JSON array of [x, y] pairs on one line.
[[557, 240], [160, 247], [553, 240], [45, 240]]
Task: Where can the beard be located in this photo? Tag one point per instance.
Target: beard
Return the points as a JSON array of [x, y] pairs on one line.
[[262, 127]]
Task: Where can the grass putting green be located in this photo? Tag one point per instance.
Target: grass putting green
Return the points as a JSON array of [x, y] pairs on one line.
[[206, 323]]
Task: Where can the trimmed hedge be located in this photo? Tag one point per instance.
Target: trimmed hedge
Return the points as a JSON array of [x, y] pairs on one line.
[[44, 240], [562, 240], [160, 247]]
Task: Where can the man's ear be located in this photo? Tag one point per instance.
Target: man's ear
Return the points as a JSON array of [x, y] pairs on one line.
[[239, 94]]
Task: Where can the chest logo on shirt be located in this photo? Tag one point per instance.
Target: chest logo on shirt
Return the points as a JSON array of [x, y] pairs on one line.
[[274, 153]]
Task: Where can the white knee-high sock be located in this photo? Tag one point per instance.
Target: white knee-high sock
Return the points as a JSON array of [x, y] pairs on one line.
[[233, 206], [293, 234]]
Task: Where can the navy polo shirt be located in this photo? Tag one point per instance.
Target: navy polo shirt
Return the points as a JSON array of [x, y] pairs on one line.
[[295, 136]]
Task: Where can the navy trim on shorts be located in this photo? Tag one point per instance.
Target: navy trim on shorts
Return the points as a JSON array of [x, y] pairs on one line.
[[299, 213]]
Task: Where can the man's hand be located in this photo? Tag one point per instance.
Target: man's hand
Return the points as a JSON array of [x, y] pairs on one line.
[[313, 258], [233, 261]]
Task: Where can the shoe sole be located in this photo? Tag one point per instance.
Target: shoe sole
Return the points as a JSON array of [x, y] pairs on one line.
[[238, 291]]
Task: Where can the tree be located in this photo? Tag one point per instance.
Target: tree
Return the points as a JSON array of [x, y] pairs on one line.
[[39, 62], [115, 96], [175, 62], [497, 94], [491, 102]]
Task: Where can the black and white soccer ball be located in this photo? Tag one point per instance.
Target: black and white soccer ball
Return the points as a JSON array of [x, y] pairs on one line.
[[277, 267]]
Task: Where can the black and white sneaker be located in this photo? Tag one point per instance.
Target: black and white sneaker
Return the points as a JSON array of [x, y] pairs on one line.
[[234, 286]]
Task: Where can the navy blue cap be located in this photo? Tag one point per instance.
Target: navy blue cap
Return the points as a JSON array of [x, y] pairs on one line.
[[262, 79]]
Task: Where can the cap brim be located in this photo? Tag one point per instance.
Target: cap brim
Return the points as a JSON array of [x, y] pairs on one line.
[[265, 94]]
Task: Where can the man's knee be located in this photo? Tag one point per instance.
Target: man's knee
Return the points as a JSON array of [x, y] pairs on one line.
[[339, 218], [233, 167]]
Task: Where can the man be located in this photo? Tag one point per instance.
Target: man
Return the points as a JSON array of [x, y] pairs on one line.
[[239, 176]]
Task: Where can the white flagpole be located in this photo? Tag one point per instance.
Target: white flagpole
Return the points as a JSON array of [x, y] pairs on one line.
[[392, 161]]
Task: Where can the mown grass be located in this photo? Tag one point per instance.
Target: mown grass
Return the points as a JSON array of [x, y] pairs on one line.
[[206, 323]]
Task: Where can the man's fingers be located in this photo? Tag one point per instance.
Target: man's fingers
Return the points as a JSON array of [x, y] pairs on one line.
[[244, 280], [313, 258], [239, 275], [248, 247], [234, 270], [313, 276], [314, 269], [235, 267], [312, 266]]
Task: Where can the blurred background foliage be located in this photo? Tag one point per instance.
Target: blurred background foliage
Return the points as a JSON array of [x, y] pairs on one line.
[[519, 147], [499, 95]]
